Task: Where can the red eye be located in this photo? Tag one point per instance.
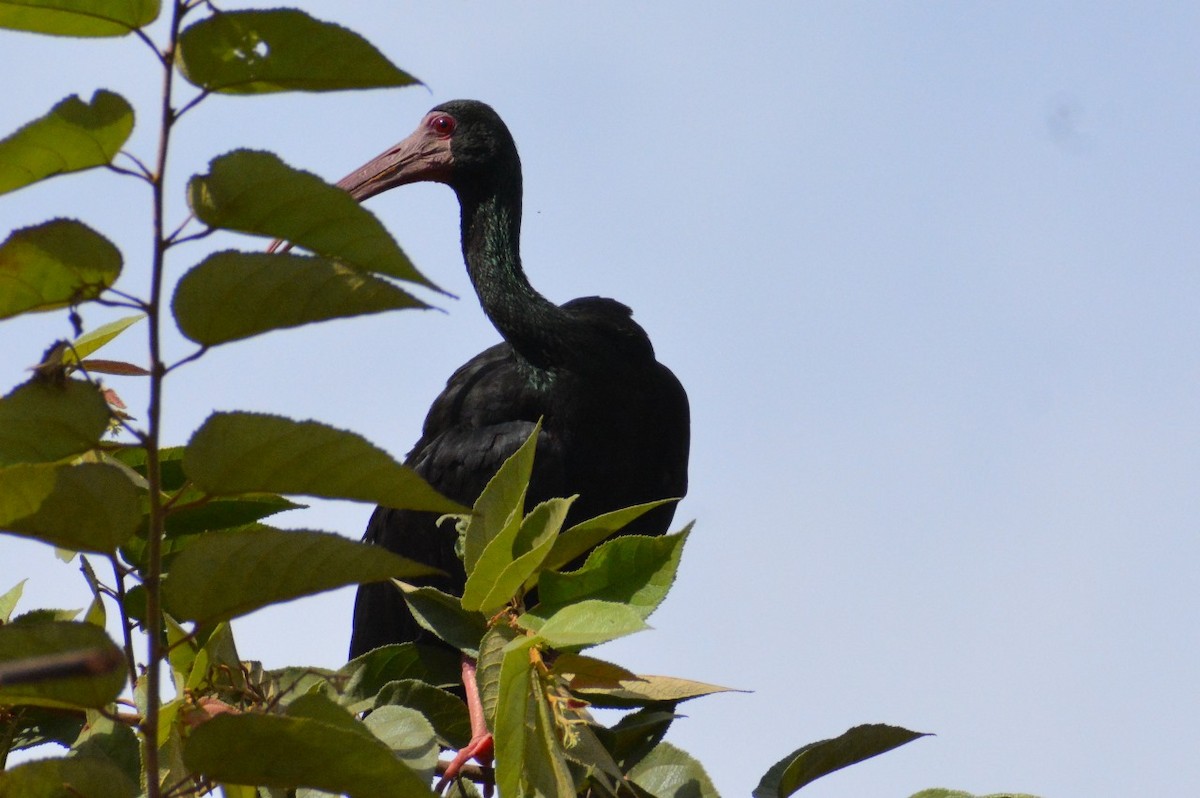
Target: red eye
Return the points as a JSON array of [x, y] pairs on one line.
[[443, 125]]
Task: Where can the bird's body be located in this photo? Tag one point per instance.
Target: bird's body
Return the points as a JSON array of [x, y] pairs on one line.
[[615, 425]]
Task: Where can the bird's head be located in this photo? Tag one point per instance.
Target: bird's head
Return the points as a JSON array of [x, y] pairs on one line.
[[462, 143]]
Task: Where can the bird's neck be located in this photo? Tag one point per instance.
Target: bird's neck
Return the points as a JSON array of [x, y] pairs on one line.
[[537, 328]]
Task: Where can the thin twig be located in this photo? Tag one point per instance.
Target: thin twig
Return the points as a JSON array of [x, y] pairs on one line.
[[126, 624], [193, 356], [192, 103]]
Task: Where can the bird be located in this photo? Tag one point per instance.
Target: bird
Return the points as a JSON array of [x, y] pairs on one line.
[[615, 426]]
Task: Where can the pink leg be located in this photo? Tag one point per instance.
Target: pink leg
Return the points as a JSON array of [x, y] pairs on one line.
[[481, 746]]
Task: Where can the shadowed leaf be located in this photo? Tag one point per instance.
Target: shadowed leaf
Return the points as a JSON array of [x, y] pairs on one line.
[[30, 638], [366, 675], [251, 52], [76, 777], [55, 264], [225, 574], [282, 751], [250, 453], [811, 762], [510, 717], [234, 295], [41, 422], [255, 192], [74, 135], [88, 507], [667, 772], [444, 615], [78, 17], [941, 792], [446, 713], [408, 734]]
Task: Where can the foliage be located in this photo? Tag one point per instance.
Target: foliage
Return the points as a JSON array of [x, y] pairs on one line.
[[182, 526]]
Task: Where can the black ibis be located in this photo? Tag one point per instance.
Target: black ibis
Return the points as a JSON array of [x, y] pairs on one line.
[[615, 426]]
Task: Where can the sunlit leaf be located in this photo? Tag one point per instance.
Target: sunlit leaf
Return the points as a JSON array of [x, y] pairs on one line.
[[492, 652], [578, 539], [251, 453], [42, 645], [93, 340], [502, 502], [41, 422], [74, 135], [512, 556], [226, 513], [444, 615], [76, 777], [811, 762], [78, 17], [249, 52], [544, 771], [8, 601], [649, 690], [235, 295], [225, 574], [282, 751], [667, 772], [586, 623], [255, 192], [88, 507], [582, 672], [939, 792], [633, 570]]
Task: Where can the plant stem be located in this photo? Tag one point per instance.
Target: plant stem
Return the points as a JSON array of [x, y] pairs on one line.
[[153, 583], [126, 625]]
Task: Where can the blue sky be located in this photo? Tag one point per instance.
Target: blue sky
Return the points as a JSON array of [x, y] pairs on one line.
[[929, 273]]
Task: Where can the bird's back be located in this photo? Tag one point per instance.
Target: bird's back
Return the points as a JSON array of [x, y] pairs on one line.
[[615, 430]]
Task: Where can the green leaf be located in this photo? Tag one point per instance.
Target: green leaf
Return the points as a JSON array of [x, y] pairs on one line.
[[235, 295], [78, 17], [255, 192], [41, 422], [513, 556], [444, 615], [283, 751], [106, 739], [667, 772], [511, 716], [75, 135], [586, 623], [501, 505], [37, 726], [55, 264], [811, 762], [88, 507], [647, 690], [170, 462], [409, 735], [251, 52], [634, 570], [78, 777], [366, 675], [8, 602], [545, 770], [446, 713], [581, 672], [636, 735], [38, 647], [225, 574], [577, 540], [492, 652], [93, 340], [250, 453], [226, 513]]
